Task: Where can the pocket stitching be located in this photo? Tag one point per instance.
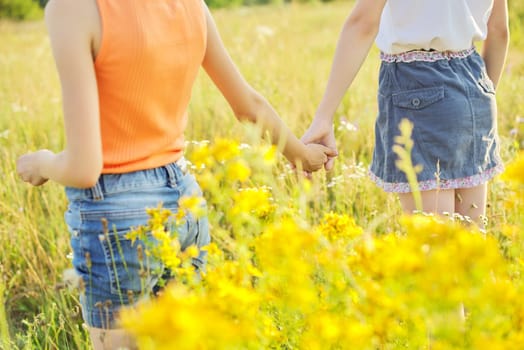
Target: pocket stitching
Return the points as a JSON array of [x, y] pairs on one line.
[[487, 85], [113, 214], [426, 97]]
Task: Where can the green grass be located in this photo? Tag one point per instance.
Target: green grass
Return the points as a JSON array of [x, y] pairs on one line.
[[285, 52]]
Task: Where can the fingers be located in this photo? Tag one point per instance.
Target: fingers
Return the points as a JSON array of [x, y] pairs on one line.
[[39, 181], [26, 170], [318, 157], [329, 164], [329, 158], [21, 171], [315, 166], [330, 152], [32, 179]]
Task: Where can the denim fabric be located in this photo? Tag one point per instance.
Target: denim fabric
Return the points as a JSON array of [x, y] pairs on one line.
[[451, 103], [113, 273]]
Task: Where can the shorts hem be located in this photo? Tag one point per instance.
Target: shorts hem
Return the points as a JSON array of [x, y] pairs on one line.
[[442, 184]]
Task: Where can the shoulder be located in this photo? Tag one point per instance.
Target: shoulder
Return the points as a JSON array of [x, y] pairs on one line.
[[73, 23], [74, 15]]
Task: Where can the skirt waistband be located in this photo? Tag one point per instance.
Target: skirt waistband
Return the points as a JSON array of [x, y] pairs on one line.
[[425, 56]]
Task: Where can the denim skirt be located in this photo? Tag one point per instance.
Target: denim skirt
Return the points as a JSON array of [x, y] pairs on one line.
[[450, 100], [114, 270]]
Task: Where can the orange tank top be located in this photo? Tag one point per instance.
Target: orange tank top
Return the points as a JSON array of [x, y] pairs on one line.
[[148, 60]]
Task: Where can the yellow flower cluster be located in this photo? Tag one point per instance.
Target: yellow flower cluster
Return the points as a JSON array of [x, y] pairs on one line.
[[182, 319], [161, 239], [275, 281], [253, 201], [514, 176], [336, 226], [515, 170]]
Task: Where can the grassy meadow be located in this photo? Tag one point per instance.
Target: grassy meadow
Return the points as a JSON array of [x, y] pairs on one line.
[[285, 52]]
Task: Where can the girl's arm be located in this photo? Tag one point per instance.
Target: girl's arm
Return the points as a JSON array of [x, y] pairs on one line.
[[70, 25], [249, 105], [496, 44], [355, 40]]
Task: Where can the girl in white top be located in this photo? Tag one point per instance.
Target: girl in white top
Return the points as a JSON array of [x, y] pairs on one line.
[[443, 25], [431, 75]]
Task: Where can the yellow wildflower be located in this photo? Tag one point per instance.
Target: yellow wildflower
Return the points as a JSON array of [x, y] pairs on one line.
[[238, 171], [167, 252], [195, 205], [256, 201], [201, 157], [253, 271], [209, 181], [191, 252], [158, 216], [225, 149], [213, 250], [270, 155], [136, 233], [335, 226], [160, 234], [515, 170]]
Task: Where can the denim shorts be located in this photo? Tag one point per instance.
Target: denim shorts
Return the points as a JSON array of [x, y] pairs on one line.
[[450, 101], [113, 271]]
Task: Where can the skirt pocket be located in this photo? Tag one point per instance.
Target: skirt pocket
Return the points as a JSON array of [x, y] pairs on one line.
[[443, 129]]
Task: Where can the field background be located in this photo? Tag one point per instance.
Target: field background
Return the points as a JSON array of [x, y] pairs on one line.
[[285, 52]]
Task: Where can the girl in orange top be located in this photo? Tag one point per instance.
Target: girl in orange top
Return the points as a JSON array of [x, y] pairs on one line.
[[126, 71]]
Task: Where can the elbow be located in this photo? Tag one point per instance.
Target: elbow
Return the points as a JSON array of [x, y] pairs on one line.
[[503, 35], [499, 32], [91, 176], [78, 170], [85, 182], [500, 35], [88, 179], [86, 174]]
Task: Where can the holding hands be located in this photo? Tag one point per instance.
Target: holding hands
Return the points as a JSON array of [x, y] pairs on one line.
[[321, 133], [316, 156]]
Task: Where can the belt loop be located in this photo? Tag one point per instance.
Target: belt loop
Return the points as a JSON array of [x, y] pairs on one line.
[[96, 191], [183, 165], [171, 171]]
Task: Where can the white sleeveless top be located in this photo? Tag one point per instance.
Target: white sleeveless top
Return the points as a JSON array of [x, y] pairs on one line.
[[443, 25]]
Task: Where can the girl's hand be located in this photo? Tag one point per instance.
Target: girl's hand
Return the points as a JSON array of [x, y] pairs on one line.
[[28, 166], [322, 132], [316, 156]]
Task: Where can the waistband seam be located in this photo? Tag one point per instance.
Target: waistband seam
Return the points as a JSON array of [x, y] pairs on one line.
[[425, 56], [98, 193]]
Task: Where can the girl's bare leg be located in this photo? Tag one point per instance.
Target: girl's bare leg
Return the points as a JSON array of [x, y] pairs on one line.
[[111, 339], [435, 201], [472, 202]]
